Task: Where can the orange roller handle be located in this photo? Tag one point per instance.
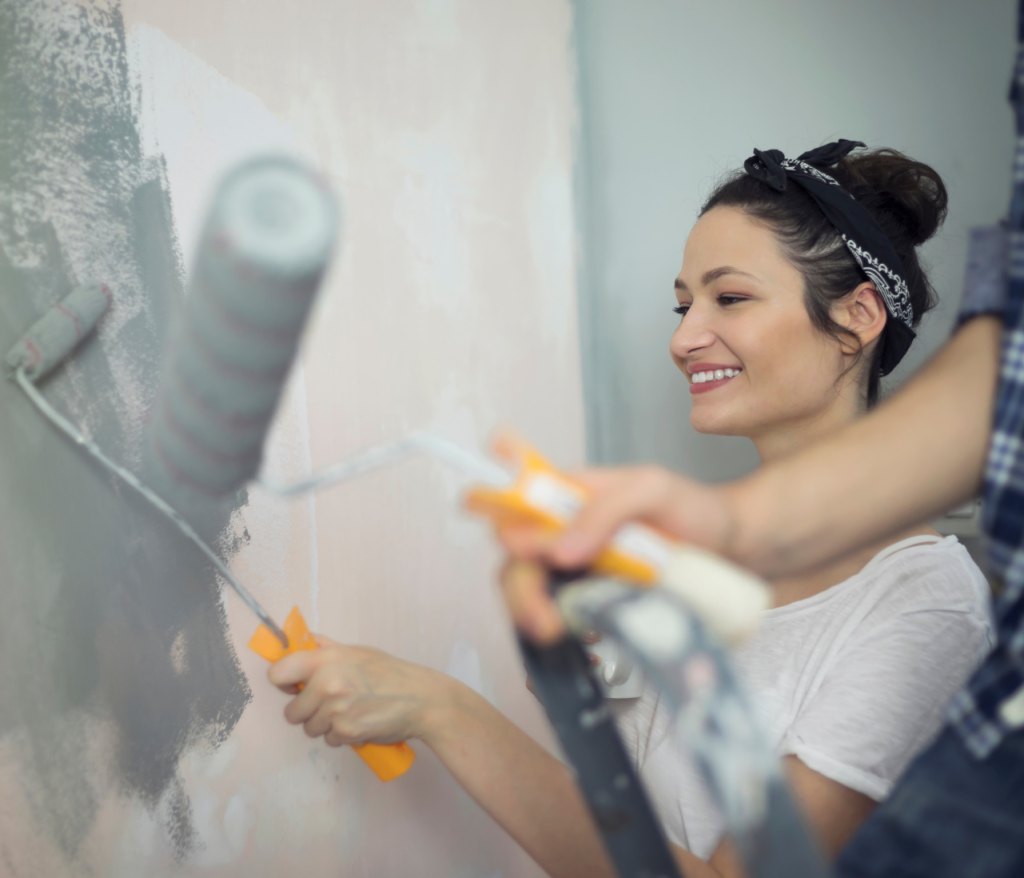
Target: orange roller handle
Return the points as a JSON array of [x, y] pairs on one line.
[[387, 761], [544, 497]]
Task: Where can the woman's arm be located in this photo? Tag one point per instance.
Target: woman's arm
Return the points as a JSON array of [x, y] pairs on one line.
[[920, 453], [525, 789], [354, 695]]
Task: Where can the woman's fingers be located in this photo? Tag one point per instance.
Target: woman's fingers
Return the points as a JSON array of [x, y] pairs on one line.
[[356, 694], [525, 586], [293, 669], [336, 739], [320, 723], [528, 542], [312, 697]]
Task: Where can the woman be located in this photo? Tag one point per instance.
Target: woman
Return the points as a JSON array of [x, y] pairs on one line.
[[799, 289]]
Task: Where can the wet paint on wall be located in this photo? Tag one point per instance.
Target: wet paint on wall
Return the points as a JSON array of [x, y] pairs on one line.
[[114, 655]]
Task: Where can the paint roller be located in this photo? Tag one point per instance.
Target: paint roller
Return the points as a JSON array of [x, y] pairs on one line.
[[264, 248], [48, 342], [263, 251]]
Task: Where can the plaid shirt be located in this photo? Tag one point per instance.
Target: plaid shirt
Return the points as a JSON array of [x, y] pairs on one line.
[[992, 704]]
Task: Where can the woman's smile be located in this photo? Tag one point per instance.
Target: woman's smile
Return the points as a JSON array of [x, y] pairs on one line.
[[705, 377]]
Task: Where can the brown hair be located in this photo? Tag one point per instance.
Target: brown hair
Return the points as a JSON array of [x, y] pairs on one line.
[[907, 199]]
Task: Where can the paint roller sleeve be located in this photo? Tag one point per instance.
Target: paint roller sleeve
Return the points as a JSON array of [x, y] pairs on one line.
[[265, 244], [58, 331]]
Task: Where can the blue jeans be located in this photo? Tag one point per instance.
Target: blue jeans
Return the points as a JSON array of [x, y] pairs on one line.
[[949, 816]]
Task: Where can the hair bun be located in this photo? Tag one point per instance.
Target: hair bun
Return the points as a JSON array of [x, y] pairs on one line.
[[908, 198]]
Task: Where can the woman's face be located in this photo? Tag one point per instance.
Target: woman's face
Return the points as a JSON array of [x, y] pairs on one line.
[[743, 313]]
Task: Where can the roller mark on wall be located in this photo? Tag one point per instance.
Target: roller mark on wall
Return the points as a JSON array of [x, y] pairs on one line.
[[110, 627]]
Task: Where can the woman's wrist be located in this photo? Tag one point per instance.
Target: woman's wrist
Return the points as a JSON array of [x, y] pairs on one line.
[[443, 702]]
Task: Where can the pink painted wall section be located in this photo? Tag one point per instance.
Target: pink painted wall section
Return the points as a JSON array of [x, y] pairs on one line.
[[446, 127]]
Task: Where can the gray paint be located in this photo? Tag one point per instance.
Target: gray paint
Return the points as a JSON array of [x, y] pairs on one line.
[[96, 587], [675, 94]]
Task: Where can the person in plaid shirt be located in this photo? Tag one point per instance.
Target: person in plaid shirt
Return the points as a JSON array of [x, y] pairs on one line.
[[954, 430]]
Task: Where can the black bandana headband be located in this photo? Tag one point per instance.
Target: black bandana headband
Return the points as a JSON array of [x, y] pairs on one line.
[[858, 229]]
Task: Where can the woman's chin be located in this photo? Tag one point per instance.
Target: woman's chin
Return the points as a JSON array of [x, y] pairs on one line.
[[715, 423]]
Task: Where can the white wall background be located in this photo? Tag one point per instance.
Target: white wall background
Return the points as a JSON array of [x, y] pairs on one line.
[[675, 93]]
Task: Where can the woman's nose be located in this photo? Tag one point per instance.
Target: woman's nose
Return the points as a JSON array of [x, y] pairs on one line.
[[692, 334]]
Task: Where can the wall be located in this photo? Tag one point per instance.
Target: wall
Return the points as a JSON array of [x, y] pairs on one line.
[[138, 735], [676, 94]]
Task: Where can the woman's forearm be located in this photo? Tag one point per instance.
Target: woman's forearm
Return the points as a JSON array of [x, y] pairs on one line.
[[525, 789], [918, 454]]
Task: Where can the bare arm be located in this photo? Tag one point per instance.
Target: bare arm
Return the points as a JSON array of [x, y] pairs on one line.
[[525, 789], [920, 453], [354, 695], [834, 812]]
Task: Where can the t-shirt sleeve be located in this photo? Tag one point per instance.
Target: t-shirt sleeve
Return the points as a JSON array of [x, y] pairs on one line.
[[881, 700]]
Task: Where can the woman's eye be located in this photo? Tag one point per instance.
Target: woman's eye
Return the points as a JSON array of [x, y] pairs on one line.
[[730, 300], [681, 310]]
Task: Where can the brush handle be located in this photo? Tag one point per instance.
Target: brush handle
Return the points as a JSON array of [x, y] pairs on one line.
[[387, 761]]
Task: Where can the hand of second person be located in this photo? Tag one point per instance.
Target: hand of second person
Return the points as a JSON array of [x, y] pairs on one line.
[[686, 510], [357, 695]]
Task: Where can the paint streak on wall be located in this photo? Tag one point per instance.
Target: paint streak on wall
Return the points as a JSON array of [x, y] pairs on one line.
[[112, 634]]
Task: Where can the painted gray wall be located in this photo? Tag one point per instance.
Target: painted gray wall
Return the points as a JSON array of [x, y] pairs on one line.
[[95, 591], [675, 94]]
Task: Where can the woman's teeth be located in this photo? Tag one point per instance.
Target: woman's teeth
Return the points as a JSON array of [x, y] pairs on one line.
[[717, 375]]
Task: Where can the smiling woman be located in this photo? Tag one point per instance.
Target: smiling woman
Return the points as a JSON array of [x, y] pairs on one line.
[[743, 308], [783, 337], [771, 288]]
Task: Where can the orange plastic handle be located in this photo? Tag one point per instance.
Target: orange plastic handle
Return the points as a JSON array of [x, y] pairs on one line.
[[639, 558], [387, 761]]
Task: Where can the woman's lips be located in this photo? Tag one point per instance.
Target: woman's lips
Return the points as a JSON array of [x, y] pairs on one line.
[[708, 386]]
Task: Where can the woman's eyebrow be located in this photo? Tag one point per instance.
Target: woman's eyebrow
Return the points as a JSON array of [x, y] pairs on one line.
[[713, 275]]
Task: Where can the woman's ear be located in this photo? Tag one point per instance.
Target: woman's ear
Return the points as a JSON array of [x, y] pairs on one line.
[[863, 313]]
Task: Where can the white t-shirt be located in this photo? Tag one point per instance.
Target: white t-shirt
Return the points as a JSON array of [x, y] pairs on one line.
[[852, 681]]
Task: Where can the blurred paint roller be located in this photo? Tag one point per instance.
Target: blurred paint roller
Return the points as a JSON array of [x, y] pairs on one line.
[[266, 243], [264, 248]]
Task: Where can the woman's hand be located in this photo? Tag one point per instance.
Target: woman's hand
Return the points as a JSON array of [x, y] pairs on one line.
[[357, 695], [684, 509]]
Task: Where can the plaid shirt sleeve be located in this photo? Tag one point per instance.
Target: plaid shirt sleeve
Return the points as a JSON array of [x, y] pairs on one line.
[[992, 703]]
